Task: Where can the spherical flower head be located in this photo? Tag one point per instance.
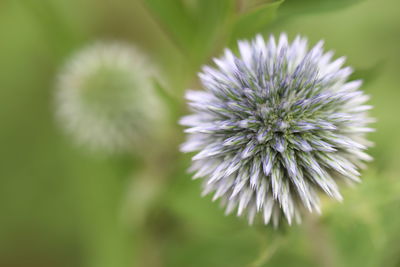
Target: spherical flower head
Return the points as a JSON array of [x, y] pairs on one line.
[[275, 126], [105, 97]]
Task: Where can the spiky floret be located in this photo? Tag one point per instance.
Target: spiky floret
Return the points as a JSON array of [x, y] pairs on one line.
[[105, 97], [275, 126]]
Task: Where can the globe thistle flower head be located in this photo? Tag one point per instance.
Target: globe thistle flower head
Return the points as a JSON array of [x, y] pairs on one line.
[[275, 126], [105, 97]]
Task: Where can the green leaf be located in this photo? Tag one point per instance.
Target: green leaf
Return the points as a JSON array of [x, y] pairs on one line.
[[254, 20], [212, 21], [245, 6], [369, 74], [174, 19], [296, 7], [193, 25]]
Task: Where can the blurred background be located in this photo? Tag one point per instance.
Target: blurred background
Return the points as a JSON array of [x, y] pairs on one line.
[[64, 205]]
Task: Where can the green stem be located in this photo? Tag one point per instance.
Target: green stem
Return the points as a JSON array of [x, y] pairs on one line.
[[268, 248], [325, 255], [145, 196]]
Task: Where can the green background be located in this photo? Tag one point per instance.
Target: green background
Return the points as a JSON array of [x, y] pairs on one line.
[[62, 205]]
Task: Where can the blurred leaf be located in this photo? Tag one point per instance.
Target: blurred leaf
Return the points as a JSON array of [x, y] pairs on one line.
[[191, 24], [174, 20], [369, 74], [245, 6], [361, 225], [296, 7], [211, 32], [52, 20], [170, 100], [254, 20]]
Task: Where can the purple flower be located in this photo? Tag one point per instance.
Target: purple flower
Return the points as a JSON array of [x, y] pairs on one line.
[[275, 126]]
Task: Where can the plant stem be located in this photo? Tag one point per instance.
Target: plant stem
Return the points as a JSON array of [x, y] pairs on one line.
[[325, 255], [268, 248]]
